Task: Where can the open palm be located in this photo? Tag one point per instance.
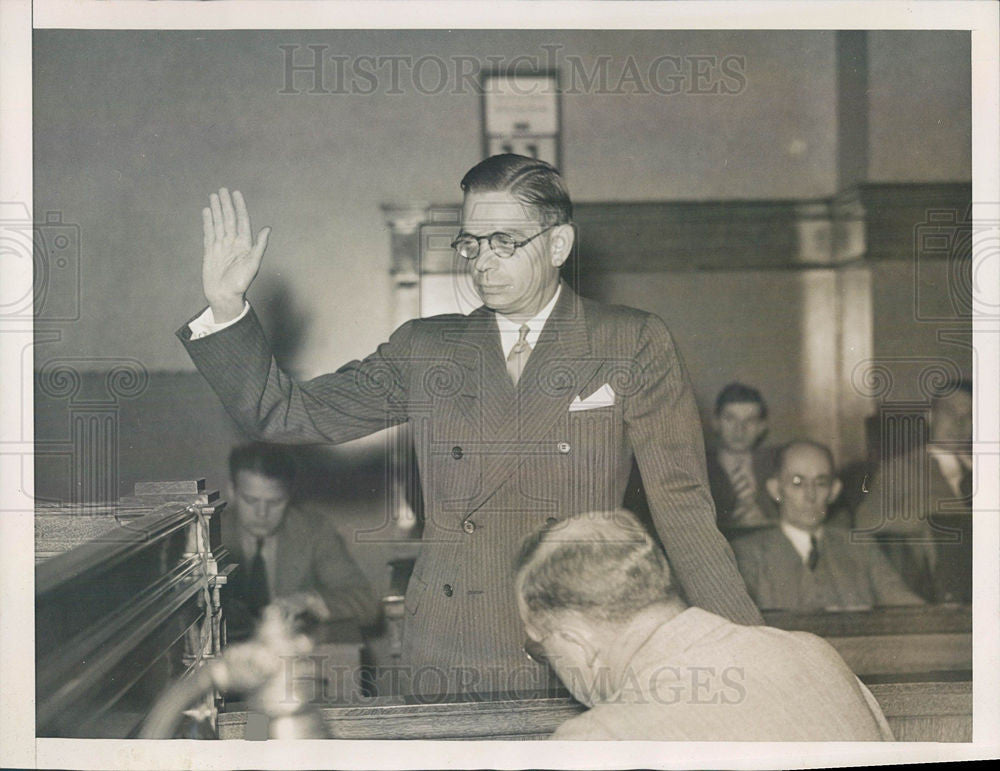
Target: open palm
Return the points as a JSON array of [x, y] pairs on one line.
[[232, 256]]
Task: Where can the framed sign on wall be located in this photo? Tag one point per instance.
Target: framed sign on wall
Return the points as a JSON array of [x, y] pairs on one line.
[[521, 114]]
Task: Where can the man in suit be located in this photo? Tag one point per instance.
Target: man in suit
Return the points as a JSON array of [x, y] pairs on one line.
[[919, 503], [526, 410], [737, 468], [284, 548], [598, 603], [805, 564]]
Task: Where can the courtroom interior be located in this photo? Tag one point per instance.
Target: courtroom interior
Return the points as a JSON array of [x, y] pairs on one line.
[[794, 205]]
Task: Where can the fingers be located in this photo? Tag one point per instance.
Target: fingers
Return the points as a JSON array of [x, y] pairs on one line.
[[243, 229], [261, 243], [217, 226], [208, 228], [228, 214]]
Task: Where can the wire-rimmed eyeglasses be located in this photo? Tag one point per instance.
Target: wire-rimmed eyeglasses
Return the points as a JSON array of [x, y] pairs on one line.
[[502, 244], [535, 652]]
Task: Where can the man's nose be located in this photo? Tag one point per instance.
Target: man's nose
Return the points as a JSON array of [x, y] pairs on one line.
[[486, 260], [810, 491]]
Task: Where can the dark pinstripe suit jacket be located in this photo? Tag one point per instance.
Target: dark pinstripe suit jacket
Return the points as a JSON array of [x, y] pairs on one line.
[[497, 462]]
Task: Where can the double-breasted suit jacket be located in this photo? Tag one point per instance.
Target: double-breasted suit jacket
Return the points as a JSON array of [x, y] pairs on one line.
[[497, 461]]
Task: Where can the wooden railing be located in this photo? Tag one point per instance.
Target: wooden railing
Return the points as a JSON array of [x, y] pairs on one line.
[[931, 711], [932, 642]]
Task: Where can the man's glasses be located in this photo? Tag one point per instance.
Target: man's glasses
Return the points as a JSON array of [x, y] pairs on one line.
[[502, 244], [535, 652]]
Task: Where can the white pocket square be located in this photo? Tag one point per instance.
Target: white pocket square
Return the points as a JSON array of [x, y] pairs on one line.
[[602, 397]]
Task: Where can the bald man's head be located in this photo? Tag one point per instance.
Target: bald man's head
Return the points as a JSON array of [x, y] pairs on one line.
[[805, 484]]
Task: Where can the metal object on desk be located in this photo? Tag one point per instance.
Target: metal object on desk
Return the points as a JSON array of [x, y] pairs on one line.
[[126, 601], [278, 708], [393, 603]]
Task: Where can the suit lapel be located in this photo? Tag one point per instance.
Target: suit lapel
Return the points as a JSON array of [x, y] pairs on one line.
[[559, 367], [293, 555], [487, 393], [557, 370]]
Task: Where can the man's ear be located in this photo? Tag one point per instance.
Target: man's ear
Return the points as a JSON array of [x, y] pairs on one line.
[[835, 489], [576, 633], [773, 488], [561, 244]]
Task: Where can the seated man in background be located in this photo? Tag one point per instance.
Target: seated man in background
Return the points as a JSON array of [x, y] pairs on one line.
[[919, 503], [737, 468], [598, 603], [283, 548], [803, 564]]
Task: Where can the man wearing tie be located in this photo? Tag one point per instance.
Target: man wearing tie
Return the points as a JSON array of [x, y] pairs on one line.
[[284, 548], [919, 503], [804, 564], [738, 469], [523, 412]]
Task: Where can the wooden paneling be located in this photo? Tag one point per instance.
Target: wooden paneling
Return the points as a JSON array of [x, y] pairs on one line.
[[887, 642], [871, 221]]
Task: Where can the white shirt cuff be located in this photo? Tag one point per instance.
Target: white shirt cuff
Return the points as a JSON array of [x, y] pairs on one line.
[[205, 325]]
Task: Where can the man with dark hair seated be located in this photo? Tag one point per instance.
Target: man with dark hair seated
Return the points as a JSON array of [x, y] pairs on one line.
[[737, 467], [919, 503], [284, 548], [805, 564], [598, 603]]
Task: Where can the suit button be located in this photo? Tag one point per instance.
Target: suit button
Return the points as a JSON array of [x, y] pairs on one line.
[[448, 590], [469, 526], [563, 447], [550, 521], [456, 452]]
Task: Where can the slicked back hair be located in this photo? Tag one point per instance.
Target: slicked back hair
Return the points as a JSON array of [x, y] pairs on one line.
[[536, 184], [738, 393], [604, 565], [270, 460]]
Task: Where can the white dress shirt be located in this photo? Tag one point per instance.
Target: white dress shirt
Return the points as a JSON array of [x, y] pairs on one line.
[[953, 466], [801, 539], [510, 330], [205, 324]]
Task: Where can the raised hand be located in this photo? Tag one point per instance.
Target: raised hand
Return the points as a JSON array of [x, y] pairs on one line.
[[232, 257]]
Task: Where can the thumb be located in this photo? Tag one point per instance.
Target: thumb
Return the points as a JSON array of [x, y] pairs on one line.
[[261, 243]]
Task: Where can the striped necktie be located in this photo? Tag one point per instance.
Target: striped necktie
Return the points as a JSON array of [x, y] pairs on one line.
[[518, 355]]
